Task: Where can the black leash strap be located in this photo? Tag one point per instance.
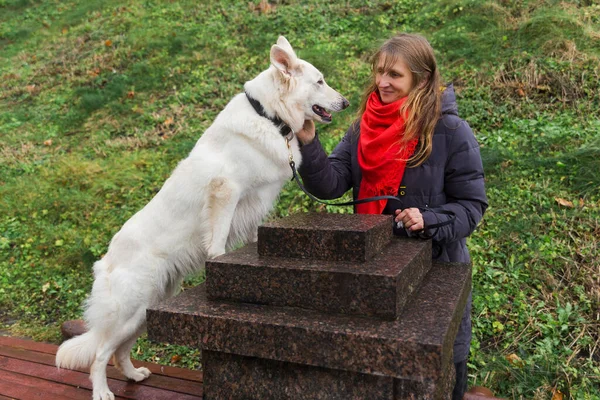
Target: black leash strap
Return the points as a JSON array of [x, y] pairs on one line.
[[367, 200]]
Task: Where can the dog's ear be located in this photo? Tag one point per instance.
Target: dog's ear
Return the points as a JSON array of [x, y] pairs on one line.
[[283, 43], [283, 60]]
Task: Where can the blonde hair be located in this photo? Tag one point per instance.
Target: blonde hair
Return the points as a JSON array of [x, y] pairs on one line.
[[424, 100]]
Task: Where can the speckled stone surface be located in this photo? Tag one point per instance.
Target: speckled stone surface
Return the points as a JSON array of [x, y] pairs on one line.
[[230, 376], [426, 389], [342, 237], [416, 346], [378, 287]]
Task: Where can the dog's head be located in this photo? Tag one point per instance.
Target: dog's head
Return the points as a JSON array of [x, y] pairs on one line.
[[303, 85]]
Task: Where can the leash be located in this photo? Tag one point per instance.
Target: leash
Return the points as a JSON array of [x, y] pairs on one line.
[[436, 226]]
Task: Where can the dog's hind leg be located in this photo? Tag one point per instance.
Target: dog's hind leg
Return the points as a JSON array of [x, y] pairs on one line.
[[122, 360], [223, 196], [116, 338]]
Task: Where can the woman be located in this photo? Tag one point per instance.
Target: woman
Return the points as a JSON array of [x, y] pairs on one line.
[[408, 141]]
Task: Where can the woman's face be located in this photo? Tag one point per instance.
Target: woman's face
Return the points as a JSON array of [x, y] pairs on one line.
[[395, 83]]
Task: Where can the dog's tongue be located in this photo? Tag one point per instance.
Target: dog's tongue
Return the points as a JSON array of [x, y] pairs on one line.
[[321, 111]]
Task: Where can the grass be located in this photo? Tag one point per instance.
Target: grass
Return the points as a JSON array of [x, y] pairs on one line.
[[99, 100]]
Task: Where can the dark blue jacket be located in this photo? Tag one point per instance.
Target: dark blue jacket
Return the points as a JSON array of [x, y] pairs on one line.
[[450, 179]]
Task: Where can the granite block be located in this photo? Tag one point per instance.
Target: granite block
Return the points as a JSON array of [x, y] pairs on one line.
[[379, 287], [427, 389], [229, 376], [342, 237], [416, 346]]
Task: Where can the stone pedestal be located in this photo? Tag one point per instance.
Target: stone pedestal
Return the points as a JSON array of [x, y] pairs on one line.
[[353, 313]]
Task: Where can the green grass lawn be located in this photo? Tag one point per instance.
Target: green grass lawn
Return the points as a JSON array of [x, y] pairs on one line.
[[99, 100]]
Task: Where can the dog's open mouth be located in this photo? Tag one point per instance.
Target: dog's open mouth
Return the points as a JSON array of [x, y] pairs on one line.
[[321, 112]]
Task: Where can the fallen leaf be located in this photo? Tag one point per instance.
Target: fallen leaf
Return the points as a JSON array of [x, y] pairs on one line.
[[130, 94], [175, 359], [168, 121], [557, 394], [30, 88], [65, 30], [108, 43], [45, 287], [264, 7], [581, 202], [515, 360], [521, 92], [563, 202], [48, 142]]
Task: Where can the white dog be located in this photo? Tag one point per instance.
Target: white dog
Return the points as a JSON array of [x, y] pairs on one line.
[[214, 200]]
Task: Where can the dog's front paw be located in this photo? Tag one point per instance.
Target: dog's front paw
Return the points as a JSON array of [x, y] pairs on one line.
[[215, 252], [103, 395], [140, 374]]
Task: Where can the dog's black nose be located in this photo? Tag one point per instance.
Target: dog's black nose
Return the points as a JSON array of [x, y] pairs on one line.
[[345, 103]]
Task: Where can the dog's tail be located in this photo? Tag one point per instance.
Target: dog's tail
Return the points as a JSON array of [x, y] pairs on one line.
[[77, 352]]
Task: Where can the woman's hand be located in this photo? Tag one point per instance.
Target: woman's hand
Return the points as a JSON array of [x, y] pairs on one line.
[[411, 218], [307, 133]]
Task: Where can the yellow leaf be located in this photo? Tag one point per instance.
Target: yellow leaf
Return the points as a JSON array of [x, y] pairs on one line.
[[515, 360], [175, 359], [108, 43], [45, 287], [563, 202], [65, 30], [48, 142], [168, 121]]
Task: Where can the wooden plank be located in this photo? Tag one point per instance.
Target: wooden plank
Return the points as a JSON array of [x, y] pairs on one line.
[[128, 390], [48, 348], [28, 344], [157, 381], [77, 379], [23, 387]]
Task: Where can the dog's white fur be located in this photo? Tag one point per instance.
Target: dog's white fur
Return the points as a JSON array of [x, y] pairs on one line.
[[214, 200]]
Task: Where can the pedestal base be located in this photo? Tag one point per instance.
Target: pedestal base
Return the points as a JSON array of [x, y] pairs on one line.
[[229, 376]]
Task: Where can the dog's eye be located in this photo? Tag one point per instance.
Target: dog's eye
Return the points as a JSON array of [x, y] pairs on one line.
[[320, 81]]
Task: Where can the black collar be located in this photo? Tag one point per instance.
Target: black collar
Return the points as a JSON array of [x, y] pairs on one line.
[[284, 128]]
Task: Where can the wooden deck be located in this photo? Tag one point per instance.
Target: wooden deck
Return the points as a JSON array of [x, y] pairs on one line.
[[27, 372]]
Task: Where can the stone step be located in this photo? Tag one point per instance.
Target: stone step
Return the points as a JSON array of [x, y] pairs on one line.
[[333, 237], [417, 346], [379, 287]]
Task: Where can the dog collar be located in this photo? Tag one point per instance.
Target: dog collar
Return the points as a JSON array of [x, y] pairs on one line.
[[284, 129]]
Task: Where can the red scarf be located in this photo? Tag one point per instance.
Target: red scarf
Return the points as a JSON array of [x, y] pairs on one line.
[[381, 158]]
